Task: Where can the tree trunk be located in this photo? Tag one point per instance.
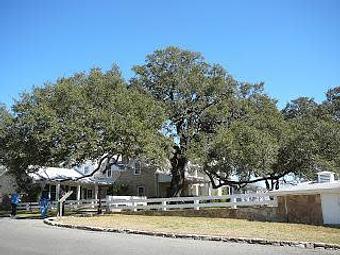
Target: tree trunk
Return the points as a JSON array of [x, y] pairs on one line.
[[178, 163]]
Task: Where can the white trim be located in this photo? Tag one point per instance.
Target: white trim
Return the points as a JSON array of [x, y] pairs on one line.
[[305, 192]]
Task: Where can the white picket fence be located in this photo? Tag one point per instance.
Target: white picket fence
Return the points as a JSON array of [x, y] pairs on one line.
[[118, 203]]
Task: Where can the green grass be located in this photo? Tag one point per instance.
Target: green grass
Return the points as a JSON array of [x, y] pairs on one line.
[[213, 226]]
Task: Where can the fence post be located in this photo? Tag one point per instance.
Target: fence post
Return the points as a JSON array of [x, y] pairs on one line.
[[196, 202], [108, 203], [134, 204], [164, 205], [233, 199]]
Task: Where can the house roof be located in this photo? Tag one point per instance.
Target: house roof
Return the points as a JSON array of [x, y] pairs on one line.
[[60, 174], [310, 187], [325, 172], [56, 174]]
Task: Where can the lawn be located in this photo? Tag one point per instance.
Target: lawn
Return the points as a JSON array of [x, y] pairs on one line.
[[213, 226]]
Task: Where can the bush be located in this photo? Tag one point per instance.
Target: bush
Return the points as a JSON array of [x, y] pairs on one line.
[[5, 203]]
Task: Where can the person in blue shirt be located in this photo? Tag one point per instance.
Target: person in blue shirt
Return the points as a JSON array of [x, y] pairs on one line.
[[44, 203], [15, 200]]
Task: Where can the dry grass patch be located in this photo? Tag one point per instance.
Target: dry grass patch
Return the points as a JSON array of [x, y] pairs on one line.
[[213, 226]]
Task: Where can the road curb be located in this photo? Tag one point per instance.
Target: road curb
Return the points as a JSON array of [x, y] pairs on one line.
[[52, 222]]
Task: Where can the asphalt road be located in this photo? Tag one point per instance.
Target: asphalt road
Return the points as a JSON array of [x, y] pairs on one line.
[[27, 237]]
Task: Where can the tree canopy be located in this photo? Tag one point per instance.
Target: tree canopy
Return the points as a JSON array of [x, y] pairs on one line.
[[84, 117], [197, 96], [177, 108]]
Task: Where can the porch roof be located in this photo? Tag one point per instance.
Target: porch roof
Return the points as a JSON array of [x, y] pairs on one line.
[[56, 174]]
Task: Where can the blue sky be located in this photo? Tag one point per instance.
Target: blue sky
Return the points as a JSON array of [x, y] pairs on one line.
[[293, 46]]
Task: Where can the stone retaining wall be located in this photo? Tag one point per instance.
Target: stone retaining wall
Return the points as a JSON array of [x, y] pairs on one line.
[[249, 213]]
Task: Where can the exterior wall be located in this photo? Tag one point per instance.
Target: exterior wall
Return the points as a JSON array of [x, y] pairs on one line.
[[147, 179], [163, 188], [301, 209]]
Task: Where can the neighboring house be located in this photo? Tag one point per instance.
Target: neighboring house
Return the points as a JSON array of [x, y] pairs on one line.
[[312, 201]]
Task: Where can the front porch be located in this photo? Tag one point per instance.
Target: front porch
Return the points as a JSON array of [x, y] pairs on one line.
[[81, 191]]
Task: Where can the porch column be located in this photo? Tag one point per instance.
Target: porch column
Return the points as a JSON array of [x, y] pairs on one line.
[[96, 191], [209, 189], [57, 191], [196, 189], [49, 191], [78, 192]]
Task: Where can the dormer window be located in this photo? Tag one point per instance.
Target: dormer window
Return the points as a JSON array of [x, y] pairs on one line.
[[137, 169]]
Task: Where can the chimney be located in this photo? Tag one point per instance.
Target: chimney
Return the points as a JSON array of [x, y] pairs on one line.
[[325, 176]]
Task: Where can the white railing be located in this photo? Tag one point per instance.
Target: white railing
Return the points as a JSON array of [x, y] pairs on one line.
[[69, 204], [231, 201], [117, 202]]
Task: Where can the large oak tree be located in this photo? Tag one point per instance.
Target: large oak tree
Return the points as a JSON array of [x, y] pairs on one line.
[[197, 96], [92, 116]]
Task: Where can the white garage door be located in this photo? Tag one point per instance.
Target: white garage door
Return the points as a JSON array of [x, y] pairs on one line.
[[330, 204]]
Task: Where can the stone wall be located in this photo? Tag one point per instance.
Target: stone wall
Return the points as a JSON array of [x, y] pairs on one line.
[[300, 209], [250, 213], [146, 179]]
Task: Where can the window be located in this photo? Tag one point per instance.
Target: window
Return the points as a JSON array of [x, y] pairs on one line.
[[141, 191], [83, 193], [89, 194], [137, 169]]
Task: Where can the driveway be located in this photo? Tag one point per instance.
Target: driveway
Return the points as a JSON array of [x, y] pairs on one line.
[[27, 237]]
